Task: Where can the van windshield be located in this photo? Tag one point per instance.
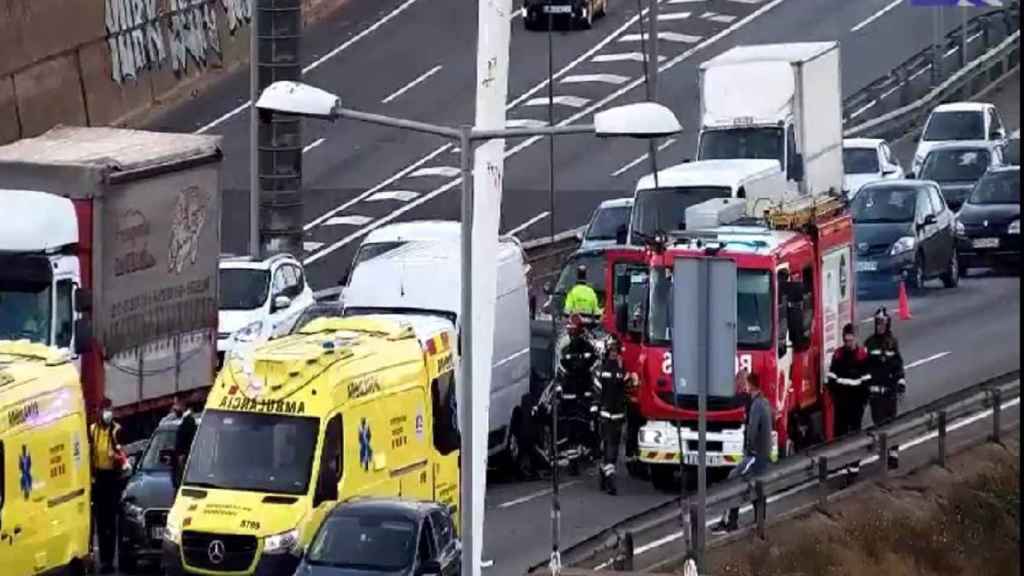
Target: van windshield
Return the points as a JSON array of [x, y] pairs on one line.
[[664, 209], [254, 452], [25, 311]]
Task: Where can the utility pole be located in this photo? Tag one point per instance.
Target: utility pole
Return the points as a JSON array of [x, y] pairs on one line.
[[652, 59], [277, 158]]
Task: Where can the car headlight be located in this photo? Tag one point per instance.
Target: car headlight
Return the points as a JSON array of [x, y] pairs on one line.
[[172, 534], [249, 333], [1014, 227], [281, 543], [903, 245], [134, 512], [961, 230]]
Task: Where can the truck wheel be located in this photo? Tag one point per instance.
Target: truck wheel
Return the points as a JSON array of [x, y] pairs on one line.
[[516, 458], [663, 476], [951, 278]]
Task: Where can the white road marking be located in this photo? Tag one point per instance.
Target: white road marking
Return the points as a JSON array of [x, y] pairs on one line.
[[574, 118], [535, 495], [747, 1], [632, 164], [528, 223], [686, 1], [354, 220], [672, 16], [399, 195], [317, 63], [864, 109], [419, 80], [664, 36], [571, 101], [397, 176], [876, 16], [924, 361], [524, 123], [615, 79], [445, 171], [920, 72], [624, 56], [487, 563], [720, 18], [313, 144], [311, 246]]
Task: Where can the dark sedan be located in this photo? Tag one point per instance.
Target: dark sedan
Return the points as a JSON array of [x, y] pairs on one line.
[[904, 231], [958, 167], [384, 538], [988, 225]]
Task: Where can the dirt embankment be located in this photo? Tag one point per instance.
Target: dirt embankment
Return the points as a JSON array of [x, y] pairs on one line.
[[964, 520]]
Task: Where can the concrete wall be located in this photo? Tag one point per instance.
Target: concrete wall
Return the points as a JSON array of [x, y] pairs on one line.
[[101, 62]]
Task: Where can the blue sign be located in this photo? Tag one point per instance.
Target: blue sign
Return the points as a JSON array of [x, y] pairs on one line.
[[365, 447], [25, 465], [965, 3]]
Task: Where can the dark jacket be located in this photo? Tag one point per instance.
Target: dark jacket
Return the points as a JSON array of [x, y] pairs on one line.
[[849, 369], [757, 438], [578, 359], [613, 380], [185, 435], [885, 365]]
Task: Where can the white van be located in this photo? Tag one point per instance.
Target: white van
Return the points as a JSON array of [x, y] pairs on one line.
[[660, 206], [414, 268]]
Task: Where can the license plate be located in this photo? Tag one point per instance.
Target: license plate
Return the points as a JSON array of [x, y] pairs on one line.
[[986, 243], [867, 266], [557, 10], [693, 459], [156, 533]]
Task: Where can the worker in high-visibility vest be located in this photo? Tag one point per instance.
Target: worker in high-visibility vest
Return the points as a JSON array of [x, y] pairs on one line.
[[582, 299], [107, 462]]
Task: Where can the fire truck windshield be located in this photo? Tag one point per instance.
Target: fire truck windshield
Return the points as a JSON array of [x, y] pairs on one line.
[[754, 309], [664, 209]]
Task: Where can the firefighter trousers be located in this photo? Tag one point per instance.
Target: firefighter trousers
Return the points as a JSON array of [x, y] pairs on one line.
[[611, 432], [885, 407]]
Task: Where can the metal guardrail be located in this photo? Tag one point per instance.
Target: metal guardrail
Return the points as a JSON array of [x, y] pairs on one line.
[[613, 547], [893, 105]]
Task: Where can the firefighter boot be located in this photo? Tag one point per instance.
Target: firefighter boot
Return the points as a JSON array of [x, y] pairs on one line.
[[610, 482], [603, 479]]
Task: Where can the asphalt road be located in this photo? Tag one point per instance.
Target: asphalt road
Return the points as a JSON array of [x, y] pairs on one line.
[[956, 337]]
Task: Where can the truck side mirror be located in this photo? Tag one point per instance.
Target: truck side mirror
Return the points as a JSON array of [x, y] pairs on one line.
[[795, 324], [796, 168], [621, 235], [622, 317], [83, 300], [83, 336]]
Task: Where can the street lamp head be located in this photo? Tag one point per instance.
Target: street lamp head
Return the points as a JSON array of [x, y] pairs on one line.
[[298, 99], [640, 120]]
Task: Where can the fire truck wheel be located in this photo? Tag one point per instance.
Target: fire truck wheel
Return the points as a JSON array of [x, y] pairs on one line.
[[664, 477]]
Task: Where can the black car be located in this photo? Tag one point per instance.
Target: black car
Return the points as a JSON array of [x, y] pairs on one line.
[[384, 538], [988, 225], [958, 167], [147, 499], [904, 231], [536, 13]]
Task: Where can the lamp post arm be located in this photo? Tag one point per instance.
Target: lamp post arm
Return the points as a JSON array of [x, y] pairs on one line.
[[400, 123]]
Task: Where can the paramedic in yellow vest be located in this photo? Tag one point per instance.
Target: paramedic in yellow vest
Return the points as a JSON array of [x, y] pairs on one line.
[[106, 489], [582, 299]]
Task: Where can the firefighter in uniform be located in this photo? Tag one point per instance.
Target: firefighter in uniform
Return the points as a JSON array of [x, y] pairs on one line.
[[614, 382], [848, 379], [577, 361], [888, 379]]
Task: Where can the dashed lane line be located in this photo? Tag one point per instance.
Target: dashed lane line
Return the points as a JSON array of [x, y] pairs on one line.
[[624, 57], [313, 145], [664, 36], [415, 82], [570, 101], [353, 220], [616, 79], [528, 223], [876, 16], [433, 171], [393, 195]]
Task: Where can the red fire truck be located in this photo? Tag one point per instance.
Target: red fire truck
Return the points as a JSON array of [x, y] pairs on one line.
[[795, 292]]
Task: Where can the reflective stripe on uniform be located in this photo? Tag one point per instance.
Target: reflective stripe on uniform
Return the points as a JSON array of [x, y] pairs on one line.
[[608, 415]]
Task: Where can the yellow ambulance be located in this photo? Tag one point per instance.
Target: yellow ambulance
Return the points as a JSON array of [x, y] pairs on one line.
[[346, 407], [44, 454]]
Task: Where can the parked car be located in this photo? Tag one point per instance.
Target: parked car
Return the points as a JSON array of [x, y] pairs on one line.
[[609, 225], [867, 160], [988, 225], [958, 167], [147, 498], [257, 295], [959, 122], [904, 230], [387, 537], [577, 12]]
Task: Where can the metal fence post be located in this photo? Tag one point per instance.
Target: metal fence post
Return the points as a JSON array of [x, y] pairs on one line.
[[883, 455], [760, 508], [997, 411], [905, 89], [942, 438], [624, 554], [822, 481]]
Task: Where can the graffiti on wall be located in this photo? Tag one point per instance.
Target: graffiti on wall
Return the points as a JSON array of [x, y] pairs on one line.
[[144, 34]]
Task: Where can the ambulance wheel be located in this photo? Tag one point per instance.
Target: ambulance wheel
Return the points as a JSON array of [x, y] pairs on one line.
[[638, 469], [126, 562], [663, 477]]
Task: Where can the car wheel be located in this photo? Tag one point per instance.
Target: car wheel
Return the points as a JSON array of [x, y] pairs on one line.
[[517, 458], [917, 276], [951, 278], [965, 267], [663, 477]]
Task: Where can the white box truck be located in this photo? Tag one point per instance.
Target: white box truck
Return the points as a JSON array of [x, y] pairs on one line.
[[781, 102]]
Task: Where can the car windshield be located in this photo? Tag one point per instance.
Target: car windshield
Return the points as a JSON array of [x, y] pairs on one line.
[[608, 222], [876, 204], [374, 249], [157, 456], [998, 188], [746, 143], [332, 310], [25, 310], [372, 543], [664, 209], [964, 125], [860, 161], [955, 165], [596, 266], [243, 288], [250, 451], [753, 311]]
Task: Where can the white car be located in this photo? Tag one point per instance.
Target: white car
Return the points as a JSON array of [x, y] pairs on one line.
[[608, 225], [258, 295], [867, 160], [959, 122]]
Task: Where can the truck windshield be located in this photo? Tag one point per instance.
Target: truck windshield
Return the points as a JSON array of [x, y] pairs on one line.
[[243, 288], [753, 309], [664, 209], [375, 543], [253, 452], [743, 143], [25, 310]]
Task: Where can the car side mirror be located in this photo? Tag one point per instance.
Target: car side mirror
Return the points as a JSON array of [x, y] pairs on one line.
[[998, 134], [343, 281], [280, 303], [929, 220], [889, 171], [579, 236], [429, 568], [83, 336], [621, 235]]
